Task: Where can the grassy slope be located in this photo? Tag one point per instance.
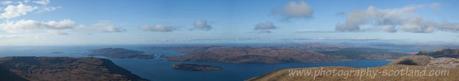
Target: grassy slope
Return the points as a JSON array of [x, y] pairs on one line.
[[416, 63], [283, 75]]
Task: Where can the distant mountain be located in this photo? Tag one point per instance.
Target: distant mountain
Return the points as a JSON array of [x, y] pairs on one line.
[[361, 53], [62, 69], [273, 55], [263, 55], [452, 53], [120, 53]]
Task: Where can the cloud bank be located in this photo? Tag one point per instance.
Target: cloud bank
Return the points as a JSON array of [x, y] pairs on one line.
[[159, 28], [394, 20], [108, 27], [201, 25], [295, 9], [15, 9], [12, 11], [265, 27], [32, 25]]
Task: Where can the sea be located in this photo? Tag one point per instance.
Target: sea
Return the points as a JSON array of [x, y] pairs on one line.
[[161, 70]]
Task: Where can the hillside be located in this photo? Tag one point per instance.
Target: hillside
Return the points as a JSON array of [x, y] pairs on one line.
[[452, 53], [414, 68], [62, 69]]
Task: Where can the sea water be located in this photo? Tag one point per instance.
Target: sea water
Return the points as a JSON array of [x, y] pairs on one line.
[[161, 70]]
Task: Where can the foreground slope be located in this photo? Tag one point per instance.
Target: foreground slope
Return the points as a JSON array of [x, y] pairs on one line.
[[62, 69], [412, 68]]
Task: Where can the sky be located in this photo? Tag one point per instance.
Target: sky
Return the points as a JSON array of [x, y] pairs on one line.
[[102, 22]]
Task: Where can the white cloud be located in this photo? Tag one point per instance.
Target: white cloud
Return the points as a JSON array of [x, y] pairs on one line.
[[108, 27], [8, 36], [21, 25], [417, 25], [389, 28], [201, 25], [295, 9], [32, 25], [20, 9], [42, 2], [7, 2], [392, 20], [265, 27], [58, 33], [62, 24], [49, 8], [445, 26], [43, 5], [15, 9], [114, 29], [159, 28], [99, 27]]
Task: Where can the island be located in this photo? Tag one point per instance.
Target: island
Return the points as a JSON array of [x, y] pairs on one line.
[[62, 69], [453, 53], [263, 55], [196, 67], [277, 55], [120, 53], [361, 53]]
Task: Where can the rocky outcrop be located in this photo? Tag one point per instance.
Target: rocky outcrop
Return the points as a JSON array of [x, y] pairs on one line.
[[62, 69], [422, 60], [196, 67], [413, 60], [121, 53]]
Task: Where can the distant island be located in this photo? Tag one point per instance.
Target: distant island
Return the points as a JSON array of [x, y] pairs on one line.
[[251, 55], [62, 69], [361, 53], [440, 61], [275, 55], [452, 53], [196, 67], [120, 53]]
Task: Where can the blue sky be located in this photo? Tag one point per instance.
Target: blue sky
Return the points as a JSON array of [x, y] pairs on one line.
[[93, 22]]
